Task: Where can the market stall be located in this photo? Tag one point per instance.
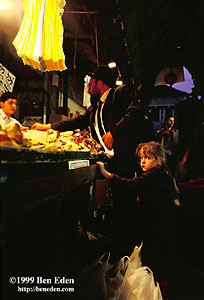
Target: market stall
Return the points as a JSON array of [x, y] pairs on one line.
[[29, 176], [42, 193]]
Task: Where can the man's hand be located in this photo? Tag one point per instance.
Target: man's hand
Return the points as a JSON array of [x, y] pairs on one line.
[[25, 127], [108, 140], [39, 126]]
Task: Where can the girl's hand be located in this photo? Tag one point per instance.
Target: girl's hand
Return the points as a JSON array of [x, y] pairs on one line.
[[103, 171]]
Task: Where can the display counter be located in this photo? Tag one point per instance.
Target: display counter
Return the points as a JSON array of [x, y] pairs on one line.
[[43, 195], [29, 176]]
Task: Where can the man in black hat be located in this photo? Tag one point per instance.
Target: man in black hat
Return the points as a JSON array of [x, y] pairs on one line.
[[117, 121], [98, 116], [115, 117]]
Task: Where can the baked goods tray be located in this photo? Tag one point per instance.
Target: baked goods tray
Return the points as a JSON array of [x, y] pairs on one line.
[[27, 155]]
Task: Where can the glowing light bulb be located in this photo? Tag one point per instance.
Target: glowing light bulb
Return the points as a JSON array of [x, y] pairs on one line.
[[112, 65], [119, 82]]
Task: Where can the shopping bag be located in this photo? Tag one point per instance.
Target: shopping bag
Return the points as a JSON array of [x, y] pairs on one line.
[[141, 286], [91, 282], [100, 280], [146, 288], [130, 267], [114, 278], [139, 283], [134, 261]]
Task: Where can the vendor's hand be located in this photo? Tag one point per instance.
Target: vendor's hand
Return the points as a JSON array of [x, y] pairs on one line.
[[103, 171], [108, 140], [39, 126], [25, 128]]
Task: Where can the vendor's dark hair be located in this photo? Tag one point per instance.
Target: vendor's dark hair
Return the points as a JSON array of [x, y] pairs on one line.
[[6, 96]]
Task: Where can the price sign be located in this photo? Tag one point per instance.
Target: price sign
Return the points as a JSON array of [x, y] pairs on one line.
[[7, 80]]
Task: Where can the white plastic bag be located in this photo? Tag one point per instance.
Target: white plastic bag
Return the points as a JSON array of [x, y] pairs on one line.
[[145, 288], [131, 266], [101, 280], [134, 261], [114, 279], [141, 286], [139, 283], [91, 282]]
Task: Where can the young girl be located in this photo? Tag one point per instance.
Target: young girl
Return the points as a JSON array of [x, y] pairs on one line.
[[156, 196]]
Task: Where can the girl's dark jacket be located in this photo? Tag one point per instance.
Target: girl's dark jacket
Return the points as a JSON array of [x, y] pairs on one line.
[[154, 222]]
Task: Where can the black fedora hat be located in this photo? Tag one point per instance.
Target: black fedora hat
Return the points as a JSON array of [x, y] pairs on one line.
[[104, 74]]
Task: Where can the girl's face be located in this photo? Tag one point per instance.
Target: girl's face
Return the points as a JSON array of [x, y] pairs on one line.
[[148, 162]]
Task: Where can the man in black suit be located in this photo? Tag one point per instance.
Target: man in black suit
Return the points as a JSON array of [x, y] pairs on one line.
[[117, 121], [168, 136], [101, 89]]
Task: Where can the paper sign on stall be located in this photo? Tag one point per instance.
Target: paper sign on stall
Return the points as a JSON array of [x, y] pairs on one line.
[[7, 80], [76, 164]]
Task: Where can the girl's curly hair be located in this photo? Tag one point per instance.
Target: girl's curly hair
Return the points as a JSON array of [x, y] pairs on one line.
[[157, 150], [153, 149]]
